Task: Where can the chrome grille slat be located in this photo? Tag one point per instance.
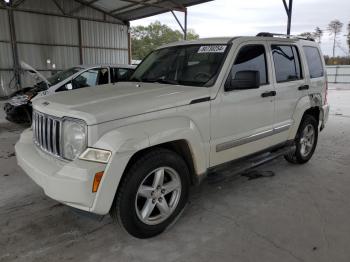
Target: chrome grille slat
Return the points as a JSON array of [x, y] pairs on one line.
[[40, 132], [46, 133], [54, 138], [49, 137]]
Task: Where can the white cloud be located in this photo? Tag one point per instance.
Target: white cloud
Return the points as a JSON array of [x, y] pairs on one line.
[[235, 17]]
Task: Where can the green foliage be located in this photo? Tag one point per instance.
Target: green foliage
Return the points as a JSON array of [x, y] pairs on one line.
[[317, 34], [339, 60], [147, 38]]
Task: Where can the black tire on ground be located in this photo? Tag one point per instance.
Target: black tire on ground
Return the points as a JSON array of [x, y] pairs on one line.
[[125, 209], [297, 156]]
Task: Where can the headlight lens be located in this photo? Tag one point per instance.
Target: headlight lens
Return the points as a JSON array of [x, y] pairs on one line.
[[74, 138], [19, 100], [96, 155]]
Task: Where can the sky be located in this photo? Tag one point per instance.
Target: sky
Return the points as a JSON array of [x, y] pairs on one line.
[[235, 17]]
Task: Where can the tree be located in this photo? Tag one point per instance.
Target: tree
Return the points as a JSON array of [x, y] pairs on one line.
[[307, 35], [318, 34], [147, 38], [334, 28]]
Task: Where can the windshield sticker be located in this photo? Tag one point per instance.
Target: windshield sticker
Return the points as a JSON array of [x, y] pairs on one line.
[[212, 49]]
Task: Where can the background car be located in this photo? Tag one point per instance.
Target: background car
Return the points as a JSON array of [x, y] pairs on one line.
[[18, 108]]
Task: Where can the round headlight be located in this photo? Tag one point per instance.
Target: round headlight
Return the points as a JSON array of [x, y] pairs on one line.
[[74, 138], [19, 100]]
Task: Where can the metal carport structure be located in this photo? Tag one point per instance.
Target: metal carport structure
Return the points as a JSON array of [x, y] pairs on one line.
[[97, 30], [70, 32]]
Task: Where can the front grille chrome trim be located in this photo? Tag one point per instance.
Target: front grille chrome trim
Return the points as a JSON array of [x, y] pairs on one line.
[[47, 133]]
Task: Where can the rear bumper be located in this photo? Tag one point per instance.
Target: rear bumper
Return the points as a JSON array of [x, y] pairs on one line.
[[324, 116], [67, 182]]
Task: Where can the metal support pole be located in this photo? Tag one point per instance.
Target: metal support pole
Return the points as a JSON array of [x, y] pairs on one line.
[[81, 60], [289, 10], [183, 27], [16, 65], [129, 44], [185, 31]]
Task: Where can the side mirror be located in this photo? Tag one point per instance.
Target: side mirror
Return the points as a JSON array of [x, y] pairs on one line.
[[247, 79], [69, 86]]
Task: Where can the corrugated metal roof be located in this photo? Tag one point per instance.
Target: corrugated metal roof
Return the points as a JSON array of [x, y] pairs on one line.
[[127, 10]]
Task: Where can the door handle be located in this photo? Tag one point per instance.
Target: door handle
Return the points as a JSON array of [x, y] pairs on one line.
[[304, 87], [267, 94]]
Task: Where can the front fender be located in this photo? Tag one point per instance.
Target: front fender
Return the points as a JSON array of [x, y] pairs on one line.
[[125, 141]]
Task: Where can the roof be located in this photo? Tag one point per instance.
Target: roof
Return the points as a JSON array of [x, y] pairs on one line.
[[128, 10], [227, 40]]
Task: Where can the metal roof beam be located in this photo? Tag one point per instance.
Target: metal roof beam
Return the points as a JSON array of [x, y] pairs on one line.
[[81, 6], [89, 4], [124, 7], [59, 7], [157, 4], [18, 3]]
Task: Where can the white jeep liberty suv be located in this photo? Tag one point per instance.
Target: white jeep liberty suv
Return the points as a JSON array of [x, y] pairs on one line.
[[133, 149]]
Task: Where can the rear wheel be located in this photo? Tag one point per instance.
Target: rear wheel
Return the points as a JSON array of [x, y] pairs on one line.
[[305, 141], [152, 194]]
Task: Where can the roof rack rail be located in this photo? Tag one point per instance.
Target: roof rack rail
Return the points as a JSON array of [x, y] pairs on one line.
[[268, 34]]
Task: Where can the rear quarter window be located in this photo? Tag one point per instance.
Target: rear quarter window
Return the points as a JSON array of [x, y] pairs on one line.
[[314, 61]]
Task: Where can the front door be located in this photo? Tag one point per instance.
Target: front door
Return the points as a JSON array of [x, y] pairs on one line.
[[242, 120]]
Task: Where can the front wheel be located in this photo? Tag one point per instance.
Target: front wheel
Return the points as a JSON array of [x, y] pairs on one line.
[[152, 194], [305, 141]]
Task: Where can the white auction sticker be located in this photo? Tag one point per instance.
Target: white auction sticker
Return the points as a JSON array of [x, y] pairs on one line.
[[212, 49]]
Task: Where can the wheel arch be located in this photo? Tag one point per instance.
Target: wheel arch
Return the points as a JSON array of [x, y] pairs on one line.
[[180, 147], [307, 105], [127, 143]]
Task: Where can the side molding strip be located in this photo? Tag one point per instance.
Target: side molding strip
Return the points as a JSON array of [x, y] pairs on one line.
[[251, 138]]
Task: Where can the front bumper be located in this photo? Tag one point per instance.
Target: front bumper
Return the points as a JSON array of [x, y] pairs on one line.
[[67, 182], [18, 114]]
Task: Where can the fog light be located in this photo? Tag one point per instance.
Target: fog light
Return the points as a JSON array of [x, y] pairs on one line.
[[97, 180]]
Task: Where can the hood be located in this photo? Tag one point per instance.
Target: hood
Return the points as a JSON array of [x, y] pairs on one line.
[[31, 70], [116, 101]]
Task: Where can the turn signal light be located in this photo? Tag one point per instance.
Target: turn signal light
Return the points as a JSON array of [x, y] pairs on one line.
[[97, 180]]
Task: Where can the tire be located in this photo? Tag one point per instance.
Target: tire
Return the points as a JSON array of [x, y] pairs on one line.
[[144, 205], [305, 142]]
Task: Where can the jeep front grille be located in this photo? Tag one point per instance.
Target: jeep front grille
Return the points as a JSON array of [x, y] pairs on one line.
[[47, 133]]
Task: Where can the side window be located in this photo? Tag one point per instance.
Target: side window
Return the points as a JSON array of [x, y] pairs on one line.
[[287, 63], [103, 76], [91, 77], [121, 74], [251, 58], [86, 79], [314, 61]]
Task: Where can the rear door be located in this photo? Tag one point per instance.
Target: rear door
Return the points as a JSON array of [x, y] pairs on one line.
[[316, 72], [289, 84]]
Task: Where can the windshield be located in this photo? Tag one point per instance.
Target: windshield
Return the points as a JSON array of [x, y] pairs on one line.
[[194, 65], [55, 79]]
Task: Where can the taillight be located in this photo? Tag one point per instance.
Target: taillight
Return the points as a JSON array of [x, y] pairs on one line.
[[325, 93]]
